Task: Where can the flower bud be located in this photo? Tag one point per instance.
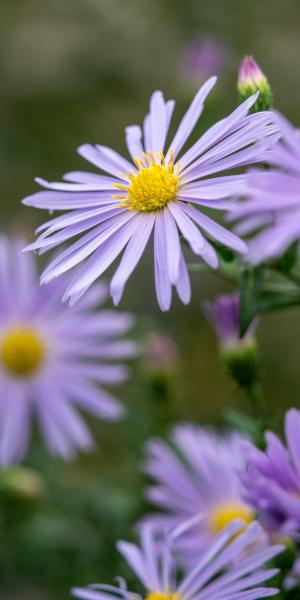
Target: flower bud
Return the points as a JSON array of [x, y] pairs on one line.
[[239, 354], [251, 79], [21, 483], [161, 355]]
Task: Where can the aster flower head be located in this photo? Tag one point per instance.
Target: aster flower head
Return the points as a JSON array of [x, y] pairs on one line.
[[216, 576], [270, 214], [250, 80], [52, 359], [196, 485], [158, 191], [271, 481]]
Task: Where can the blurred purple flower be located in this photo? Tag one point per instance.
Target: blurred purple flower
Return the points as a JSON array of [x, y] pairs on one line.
[[52, 359], [204, 56], [271, 213], [155, 193], [271, 481], [196, 485], [222, 572], [224, 316], [161, 352]]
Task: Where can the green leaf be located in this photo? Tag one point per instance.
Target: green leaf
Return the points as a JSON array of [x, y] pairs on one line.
[[269, 301]]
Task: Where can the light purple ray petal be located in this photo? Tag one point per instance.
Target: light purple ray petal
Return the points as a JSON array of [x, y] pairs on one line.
[[103, 235], [94, 400], [133, 253], [133, 135], [101, 259], [112, 374], [257, 152], [189, 231], [289, 133], [61, 186], [106, 159], [172, 245], [292, 433], [64, 431], [162, 282], [246, 135], [49, 200], [47, 241], [15, 423], [137, 561], [157, 121], [183, 285], [170, 105], [72, 218], [218, 131], [190, 118], [216, 231], [88, 177]]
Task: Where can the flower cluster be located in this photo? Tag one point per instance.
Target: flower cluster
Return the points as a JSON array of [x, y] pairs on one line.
[[225, 509]]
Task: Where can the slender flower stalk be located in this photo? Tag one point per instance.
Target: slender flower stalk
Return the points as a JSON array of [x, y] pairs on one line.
[[159, 191]]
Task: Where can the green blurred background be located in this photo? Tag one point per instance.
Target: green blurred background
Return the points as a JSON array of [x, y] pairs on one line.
[[79, 71]]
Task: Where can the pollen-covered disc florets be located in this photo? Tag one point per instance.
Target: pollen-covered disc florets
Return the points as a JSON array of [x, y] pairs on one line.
[[153, 186], [168, 595], [223, 515], [22, 351]]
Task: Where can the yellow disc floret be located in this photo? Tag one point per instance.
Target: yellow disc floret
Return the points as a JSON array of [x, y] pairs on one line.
[[163, 596], [153, 186], [22, 351], [223, 514]]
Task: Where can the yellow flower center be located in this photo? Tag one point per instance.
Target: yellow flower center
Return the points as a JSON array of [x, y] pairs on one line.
[[22, 351], [153, 186], [225, 513], [163, 596]]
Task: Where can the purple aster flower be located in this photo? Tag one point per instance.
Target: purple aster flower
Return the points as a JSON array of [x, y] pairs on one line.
[[225, 570], [52, 359], [204, 56], [271, 213], [271, 481], [196, 485], [156, 192]]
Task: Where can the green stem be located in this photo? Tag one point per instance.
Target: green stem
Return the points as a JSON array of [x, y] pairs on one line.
[[202, 267], [256, 398]]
